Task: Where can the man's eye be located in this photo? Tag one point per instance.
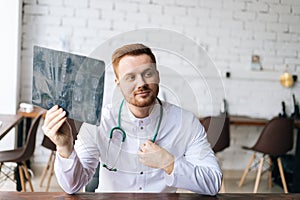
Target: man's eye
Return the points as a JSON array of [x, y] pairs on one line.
[[148, 74], [130, 78]]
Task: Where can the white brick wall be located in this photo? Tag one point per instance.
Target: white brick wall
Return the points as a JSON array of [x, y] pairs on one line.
[[230, 30]]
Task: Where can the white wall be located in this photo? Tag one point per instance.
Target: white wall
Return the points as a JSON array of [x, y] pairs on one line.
[[10, 16], [230, 30]]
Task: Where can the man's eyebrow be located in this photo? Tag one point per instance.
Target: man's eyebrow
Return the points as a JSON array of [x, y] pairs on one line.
[[129, 74], [133, 72], [148, 70]]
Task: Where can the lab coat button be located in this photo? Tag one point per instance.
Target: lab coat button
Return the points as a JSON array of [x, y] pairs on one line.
[[141, 172], [142, 128], [140, 188]]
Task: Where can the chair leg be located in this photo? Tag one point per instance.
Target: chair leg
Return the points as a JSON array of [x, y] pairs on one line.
[[223, 186], [46, 169], [0, 167], [22, 178], [28, 176], [282, 175], [258, 174], [247, 169], [270, 172], [51, 171]]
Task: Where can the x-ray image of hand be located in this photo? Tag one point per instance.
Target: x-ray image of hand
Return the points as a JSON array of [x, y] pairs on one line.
[[73, 82]]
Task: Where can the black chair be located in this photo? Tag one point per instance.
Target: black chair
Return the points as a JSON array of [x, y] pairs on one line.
[[218, 134], [22, 154], [276, 139]]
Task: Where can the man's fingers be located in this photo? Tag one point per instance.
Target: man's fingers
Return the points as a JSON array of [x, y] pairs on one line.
[[56, 117], [49, 113], [148, 142], [53, 108], [56, 127], [146, 145]]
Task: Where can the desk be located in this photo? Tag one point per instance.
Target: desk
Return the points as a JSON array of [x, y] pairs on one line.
[[247, 121], [8, 122], [119, 196]]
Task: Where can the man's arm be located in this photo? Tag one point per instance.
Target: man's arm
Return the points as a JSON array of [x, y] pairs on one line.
[[74, 172]]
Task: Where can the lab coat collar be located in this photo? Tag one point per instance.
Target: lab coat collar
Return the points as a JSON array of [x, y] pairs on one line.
[[154, 114]]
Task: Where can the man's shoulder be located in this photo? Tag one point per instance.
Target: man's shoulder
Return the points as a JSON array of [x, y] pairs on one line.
[[177, 110]]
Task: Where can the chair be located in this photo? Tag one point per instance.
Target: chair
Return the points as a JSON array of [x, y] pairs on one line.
[[275, 139], [218, 134], [47, 143], [21, 154]]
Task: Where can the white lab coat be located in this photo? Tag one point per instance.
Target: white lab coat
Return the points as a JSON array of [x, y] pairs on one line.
[[195, 168]]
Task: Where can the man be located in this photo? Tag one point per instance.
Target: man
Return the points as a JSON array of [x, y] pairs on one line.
[[145, 145]]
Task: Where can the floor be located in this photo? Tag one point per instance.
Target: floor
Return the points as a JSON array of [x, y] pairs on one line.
[[231, 183]]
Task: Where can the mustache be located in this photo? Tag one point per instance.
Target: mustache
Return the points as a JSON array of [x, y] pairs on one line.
[[143, 88]]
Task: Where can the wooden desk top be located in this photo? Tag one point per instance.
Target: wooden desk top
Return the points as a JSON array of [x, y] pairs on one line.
[[33, 114], [248, 121], [8, 122], [145, 196]]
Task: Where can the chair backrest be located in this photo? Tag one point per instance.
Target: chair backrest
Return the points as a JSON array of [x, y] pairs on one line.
[[218, 132], [276, 138], [29, 146]]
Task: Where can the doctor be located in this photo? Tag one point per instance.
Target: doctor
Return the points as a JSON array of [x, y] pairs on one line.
[[143, 145]]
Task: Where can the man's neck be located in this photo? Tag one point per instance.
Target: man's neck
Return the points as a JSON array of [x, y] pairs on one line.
[[140, 112]]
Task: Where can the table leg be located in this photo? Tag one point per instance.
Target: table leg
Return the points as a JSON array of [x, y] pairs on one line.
[[20, 132]]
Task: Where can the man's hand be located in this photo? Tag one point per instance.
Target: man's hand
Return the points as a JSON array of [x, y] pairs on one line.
[[155, 156], [59, 131]]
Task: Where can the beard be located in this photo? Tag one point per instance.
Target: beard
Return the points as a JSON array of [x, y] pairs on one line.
[[151, 92]]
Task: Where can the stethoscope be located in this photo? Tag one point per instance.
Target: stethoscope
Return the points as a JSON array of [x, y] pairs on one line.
[[118, 128]]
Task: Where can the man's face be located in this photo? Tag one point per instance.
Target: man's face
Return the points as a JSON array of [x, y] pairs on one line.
[[138, 80]]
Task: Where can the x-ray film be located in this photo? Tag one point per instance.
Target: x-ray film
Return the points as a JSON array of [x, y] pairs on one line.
[[74, 82]]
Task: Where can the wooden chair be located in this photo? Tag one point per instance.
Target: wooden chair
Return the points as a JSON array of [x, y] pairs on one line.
[[21, 154], [218, 135], [49, 168], [275, 139]]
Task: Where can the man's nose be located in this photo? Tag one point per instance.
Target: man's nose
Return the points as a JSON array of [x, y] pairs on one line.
[[140, 81]]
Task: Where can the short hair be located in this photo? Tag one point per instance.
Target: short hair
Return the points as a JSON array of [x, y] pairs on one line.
[[131, 50]]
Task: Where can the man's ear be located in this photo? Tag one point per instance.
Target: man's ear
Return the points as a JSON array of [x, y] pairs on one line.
[[158, 81], [117, 82]]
